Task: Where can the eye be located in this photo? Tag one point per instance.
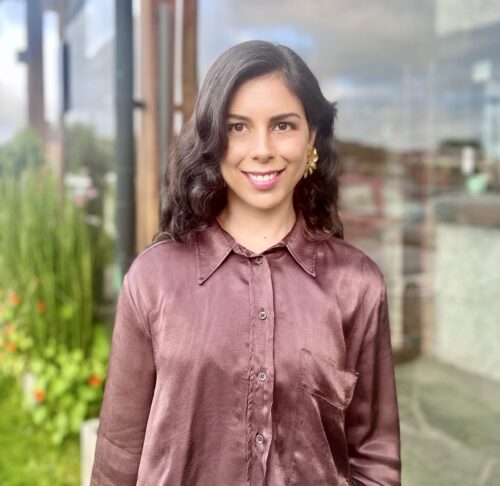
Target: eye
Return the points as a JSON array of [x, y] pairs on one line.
[[237, 127], [283, 126]]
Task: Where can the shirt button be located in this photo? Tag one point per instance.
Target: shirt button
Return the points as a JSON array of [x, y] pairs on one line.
[[259, 438], [262, 314], [258, 260], [262, 376]]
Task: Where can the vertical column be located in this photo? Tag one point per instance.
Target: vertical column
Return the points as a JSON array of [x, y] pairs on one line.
[[36, 115], [147, 161], [189, 78], [124, 134]]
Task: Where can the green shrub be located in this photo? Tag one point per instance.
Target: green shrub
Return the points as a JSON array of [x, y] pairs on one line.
[[25, 151], [14, 349], [68, 388], [46, 260], [51, 264]]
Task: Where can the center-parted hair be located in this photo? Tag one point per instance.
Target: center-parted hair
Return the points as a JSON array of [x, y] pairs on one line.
[[194, 191]]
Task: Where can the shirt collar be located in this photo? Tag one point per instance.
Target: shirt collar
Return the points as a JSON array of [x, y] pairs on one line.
[[214, 244]]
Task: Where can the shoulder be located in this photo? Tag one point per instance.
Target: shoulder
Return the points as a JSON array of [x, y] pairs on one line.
[[349, 263], [160, 264], [160, 254]]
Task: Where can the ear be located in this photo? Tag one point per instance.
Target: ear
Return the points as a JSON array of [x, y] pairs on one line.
[[312, 138]]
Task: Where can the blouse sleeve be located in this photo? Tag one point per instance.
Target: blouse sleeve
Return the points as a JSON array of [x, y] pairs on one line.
[[127, 397], [372, 419]]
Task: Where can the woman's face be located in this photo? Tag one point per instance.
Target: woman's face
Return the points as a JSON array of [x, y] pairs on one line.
[[268, 140]]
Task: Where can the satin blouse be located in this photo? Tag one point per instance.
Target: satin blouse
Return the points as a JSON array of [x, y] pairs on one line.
[[232, 368]]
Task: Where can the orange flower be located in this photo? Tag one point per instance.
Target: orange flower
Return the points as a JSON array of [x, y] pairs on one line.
[[39, 395], [40, 306], [9, 329], [94, 381], [10, 346], [14, 299]]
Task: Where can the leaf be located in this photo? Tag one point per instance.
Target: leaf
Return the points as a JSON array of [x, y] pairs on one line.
[[77, 415], [57, 437], [58, 387], [67, 312], [77, 355], [37, 366], [50, 370], [67, 401], [41, 382], [70, 372], [61, 421], [63, 359], [39, 415], [88, 394], [50, 351]]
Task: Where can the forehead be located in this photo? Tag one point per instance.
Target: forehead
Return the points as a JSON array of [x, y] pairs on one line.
[[268, 93]]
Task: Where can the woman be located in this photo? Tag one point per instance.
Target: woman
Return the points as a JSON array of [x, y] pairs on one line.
[[251, 344]]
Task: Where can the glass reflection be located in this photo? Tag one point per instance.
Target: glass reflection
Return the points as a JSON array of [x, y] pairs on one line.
[[418, 90]]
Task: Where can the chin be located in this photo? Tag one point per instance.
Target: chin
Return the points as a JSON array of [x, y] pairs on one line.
[[265, 205]]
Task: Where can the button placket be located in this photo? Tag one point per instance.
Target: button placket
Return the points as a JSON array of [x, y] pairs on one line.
[[262, 363]]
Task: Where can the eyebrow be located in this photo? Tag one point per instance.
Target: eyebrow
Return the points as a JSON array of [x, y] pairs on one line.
[[273, 118]]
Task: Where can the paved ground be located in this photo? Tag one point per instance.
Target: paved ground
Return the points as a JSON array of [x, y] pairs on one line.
[[450, 426]]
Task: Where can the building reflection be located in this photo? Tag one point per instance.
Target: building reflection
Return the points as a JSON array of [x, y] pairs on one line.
[[424, 210]]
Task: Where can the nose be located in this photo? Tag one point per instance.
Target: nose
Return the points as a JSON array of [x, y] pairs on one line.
[[262, 146]]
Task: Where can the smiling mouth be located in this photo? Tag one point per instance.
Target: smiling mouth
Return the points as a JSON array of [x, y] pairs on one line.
[[263, 177]]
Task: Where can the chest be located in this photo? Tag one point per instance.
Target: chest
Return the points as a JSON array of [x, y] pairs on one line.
[[249, 315]]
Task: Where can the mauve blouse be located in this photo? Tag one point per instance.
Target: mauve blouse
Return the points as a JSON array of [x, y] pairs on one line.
[[232, 368]]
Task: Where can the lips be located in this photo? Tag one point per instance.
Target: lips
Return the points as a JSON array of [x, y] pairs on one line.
[[263, 180], [263, 176]]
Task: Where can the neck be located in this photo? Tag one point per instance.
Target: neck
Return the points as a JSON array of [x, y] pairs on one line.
[[254, 229]]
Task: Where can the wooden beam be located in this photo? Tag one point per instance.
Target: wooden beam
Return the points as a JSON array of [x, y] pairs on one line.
[[147, 173], [189, 58], [148, 164]]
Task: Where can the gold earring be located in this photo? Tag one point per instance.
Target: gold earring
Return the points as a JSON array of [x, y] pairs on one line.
[[312, 158]]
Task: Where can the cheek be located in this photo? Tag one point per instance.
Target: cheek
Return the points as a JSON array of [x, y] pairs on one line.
[[236, 152], [293, 150]]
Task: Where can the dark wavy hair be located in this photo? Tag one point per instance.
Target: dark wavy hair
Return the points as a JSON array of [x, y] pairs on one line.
[[194, 191]]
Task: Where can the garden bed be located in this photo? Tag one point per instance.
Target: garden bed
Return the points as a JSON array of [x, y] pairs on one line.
[[26, 454]]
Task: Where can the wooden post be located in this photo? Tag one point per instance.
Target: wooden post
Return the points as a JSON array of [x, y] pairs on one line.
[[147, 177], [189, 58], [149, 139]]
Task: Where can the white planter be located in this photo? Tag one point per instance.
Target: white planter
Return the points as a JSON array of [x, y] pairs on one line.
[[88, 439], [28, 387]]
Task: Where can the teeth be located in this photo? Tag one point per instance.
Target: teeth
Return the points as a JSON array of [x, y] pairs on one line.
[[263, 178]]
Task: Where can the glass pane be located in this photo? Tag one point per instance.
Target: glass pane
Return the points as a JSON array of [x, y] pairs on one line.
[[89, 122], [418, 91], [13, 81]]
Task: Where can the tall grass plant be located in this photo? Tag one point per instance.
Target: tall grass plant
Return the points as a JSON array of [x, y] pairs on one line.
[[45, 260]]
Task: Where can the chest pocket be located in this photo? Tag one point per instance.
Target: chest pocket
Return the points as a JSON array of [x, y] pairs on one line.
[[319, 451], [322, 378]]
